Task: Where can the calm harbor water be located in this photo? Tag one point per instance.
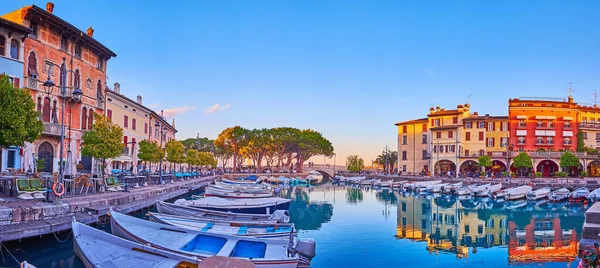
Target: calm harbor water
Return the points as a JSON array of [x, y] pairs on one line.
[[368, 227]]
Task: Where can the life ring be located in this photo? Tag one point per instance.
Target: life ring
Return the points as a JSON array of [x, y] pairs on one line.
[[58, 189]]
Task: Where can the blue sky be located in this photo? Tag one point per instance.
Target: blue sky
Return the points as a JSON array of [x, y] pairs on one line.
[[349, 69]]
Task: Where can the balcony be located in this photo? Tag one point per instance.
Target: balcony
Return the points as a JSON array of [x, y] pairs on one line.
[[522, 125], [567, 142], [589, 125], [521, 142], [51, 129], [567, 127], [544, 126]]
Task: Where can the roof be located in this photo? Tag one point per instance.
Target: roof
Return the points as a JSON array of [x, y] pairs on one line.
[[420, 120], [18, 16], [498, 117], [443, 112], [14, 26], [445, 127]]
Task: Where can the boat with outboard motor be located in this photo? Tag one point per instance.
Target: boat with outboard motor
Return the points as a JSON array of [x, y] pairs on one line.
[[279, 216], [538, 194], [242, 205]]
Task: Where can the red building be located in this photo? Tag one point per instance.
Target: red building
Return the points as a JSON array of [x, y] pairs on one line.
[[53, 39]]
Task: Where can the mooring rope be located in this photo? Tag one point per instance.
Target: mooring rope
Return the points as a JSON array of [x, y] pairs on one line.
[[13, 256], [55, 236]]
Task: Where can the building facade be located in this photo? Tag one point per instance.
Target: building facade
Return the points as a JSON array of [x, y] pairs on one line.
[[54, 42], [12, 46], [413, 146]]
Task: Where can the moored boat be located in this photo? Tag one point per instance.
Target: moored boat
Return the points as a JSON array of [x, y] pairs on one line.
[[262, 252], [487, 190], [314, 177], [463, 191], [594, 195], [436, 188], [239, 181], [517, 192], [236, 193], [502, 193], [277, 230], [450, 188], [398, 184], [242, 205], [538, 194], [579, 194], [559, 195], [386, 184], [280, 216]]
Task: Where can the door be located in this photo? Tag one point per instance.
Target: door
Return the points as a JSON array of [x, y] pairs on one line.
[[46, 153]]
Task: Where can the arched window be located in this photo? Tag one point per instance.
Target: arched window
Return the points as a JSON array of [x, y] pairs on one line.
[[14, 49], [78, 50], [46, 110], [39, 104], [64, 44], [99, 90], [2, 45], [76, 79], [54, 113], [84, 118], [90, 118], [32, 65], [63, 67]]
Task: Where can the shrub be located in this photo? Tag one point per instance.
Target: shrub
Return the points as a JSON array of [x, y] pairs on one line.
[[482, 174], [561, 174], [584, 174], [538, 174], [504, 173]]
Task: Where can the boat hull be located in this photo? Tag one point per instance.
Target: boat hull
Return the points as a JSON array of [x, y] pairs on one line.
[[214, 216], [234, 194]]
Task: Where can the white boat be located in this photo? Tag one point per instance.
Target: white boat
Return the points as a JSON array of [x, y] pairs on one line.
[[314, 177], [376, 182], [96, 248], [366, 182], [422, 185], [516, 204], [340, 178], [580, 193], [236, 193], [242, 205], [594, 195], [355, 180], [517, 192], [559, 195], [398, 184], [436, 188], [538, 194], [488, 190], [386, 184], [452, 187], [502, 193], [255, 186], [280, 216], [260, 251], [277, 230], [462, 191], [248, 182]]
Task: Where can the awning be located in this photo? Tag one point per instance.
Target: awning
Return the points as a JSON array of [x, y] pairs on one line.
[[550, 133], [521, 132], [540, 117], [521, 117], [567, 118], [567, 133], [550, 117], [540, 133]]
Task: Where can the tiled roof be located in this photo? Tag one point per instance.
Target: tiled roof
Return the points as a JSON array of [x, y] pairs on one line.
[[420, 120]]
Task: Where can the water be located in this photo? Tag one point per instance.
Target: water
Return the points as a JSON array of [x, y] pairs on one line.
[[375, 228]]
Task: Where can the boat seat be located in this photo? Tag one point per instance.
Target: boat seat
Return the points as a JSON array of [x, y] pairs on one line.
[[207, 227], [243, 230], [227, 248]]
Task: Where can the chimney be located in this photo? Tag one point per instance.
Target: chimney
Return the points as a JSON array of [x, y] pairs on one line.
[[437, 108], [431, 110], [49, 7], [117, 87], [90, 31], [139, 99]]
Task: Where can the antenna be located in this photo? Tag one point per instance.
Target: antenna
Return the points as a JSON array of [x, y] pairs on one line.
[[469, 97], [595, 98], [570, 90]]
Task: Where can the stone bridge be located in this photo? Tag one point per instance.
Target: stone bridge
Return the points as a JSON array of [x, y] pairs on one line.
[[328, 171]]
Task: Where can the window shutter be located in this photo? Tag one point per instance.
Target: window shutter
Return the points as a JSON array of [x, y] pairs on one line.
[[493, 142], [17, 82], [125, 139]]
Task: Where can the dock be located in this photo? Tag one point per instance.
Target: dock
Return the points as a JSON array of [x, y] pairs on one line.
[[19, 220]]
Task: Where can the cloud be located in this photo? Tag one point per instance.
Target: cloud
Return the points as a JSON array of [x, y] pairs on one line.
[[216, 108], [178, 110]]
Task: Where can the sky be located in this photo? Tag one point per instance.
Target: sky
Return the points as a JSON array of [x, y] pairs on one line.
[[348, 69]]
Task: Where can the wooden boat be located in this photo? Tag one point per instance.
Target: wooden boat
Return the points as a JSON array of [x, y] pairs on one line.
[[452, 187], [517, 192], [579, 194], [559, 195], [262, 252], [488, 190], [242, 205], [96, 248], [249, 182], [502, 193], [436, 188], [280, 216], [277, 230], [538, 194], [211, 191]]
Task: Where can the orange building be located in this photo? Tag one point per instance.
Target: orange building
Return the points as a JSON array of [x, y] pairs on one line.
[[543, 240], [51, 41]]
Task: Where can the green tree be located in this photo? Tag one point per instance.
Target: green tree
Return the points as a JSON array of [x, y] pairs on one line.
[[312, 143], [19, 120], [484, 161], [568, 160], [175, 152], [201, 144], [150, 152], [192, 158], [224, 154], [522, 162], [390, 158], [354, 163], [284, 139], [103, 141], [580, 141], [206, 159], [232, 139]]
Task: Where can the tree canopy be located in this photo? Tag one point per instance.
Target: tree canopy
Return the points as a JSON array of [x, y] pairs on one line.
[[568, 159], [103, 141], [522, 161], [354, 163], [580, 141], [150, 151], [484, 161], [200, 144], [175, 152], [389, 157], [19, 120]]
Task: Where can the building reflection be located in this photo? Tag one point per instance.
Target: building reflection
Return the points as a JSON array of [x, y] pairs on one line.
[[460, 227]]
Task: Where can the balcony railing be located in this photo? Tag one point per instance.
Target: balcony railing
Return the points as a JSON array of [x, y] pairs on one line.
[[522, 125], [553, 154], [51, 129], [589, 125]]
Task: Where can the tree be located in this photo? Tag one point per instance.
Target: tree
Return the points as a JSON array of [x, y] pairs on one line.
[[103, 141], [232, 139], [192, 158], [312, 143], [354, 163], [522, 162], [284, 138], [224, 154], [175, 152], [150, 151], [484, 161], [390, 158], [580, 141], [19, 120], [201, 144], [206, 159], [568, 160]]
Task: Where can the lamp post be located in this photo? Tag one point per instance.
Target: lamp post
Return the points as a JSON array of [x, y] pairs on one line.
[[162, 129], [76, 94], [508, 151], [123, 165]]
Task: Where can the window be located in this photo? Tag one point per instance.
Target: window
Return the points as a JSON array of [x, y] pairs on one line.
[[490, 142], [467, 229], [567, 124], [99, 91], [521, 140], [550, 123], [404, 209], [64, 43], [567, 141], [133, 123], [540, 123], [450, 134], [125, 121], [424, 152], [424, 127], [455, 120], [550, 140], [436, 122], [597, 136], [469, 125], [522, 123], [503, 142], [504, 126], [424, 139], [403, 155], [88, 83], [78, 50], [481, 124], [146, 128], [467, 136], [46, 110], [466, 152], [99, 62], [585, 135], [109, 114], [480, 229], [48, 68], [404, 129], [438, 135], [10, 159], [403, 168], [14, 49], [404, 139], [539, 140], [77, 79], [480, 135], [2, 43], [125, 142], [491, 126]]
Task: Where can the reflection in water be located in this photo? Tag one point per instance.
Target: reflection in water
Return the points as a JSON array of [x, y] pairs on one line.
[[306, 215], [533, 232], [354, 195]]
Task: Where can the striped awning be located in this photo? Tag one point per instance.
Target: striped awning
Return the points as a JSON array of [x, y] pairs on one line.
[[521, 117], [567, 118], [567, 133], [521, 132]]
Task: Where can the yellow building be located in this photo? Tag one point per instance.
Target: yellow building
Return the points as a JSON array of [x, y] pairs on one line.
[[589, 124], [413, 146], [446, 127], [414, 218]]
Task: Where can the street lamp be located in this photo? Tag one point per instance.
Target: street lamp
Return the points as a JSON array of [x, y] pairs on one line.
[[123, 178], [162, 129], [508, 151], [76, 94]]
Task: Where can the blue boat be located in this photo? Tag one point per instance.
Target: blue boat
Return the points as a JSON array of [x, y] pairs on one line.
[[249, 206]]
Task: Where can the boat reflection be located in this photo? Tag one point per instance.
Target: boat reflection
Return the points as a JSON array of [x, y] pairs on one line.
[[304, 214], [532, 231]]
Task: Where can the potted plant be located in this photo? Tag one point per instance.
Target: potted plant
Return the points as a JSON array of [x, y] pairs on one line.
[[583, 174], [482, 175], [538, 174]]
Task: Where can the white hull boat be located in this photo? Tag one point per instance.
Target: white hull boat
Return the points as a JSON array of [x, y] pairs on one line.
[[580, 193], [538, 194], [436, 188], [96, 248], [398, 184], [502, 193], [452, 187], [594, 195], [243, 182], [278, 230], [248, 205], [559, 195], [210, 191], [488, 190], [386, 184], [219, 216], [355, 180], [517, 192], [366, 182], [463, 191], [263, 253], [314, 177]]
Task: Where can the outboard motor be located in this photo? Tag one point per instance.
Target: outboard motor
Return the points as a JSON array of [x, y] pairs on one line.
[[282, 216], [307, 248]]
